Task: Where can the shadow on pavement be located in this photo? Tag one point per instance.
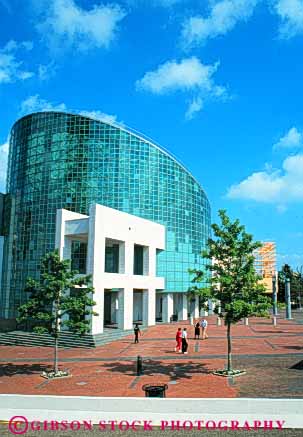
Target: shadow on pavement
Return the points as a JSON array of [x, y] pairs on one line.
[[298, 348], [11, 369], [152, 367]]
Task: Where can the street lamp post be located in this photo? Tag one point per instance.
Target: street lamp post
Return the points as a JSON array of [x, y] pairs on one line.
[[287, 298], [300, 305], [274, 294]]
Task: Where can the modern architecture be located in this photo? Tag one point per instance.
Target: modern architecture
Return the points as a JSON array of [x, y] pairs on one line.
[[65, 161]]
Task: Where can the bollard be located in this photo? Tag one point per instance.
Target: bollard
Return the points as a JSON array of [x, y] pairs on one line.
[[139, 365], [191, 320], [246, 321], [274, 321], [219, 321]]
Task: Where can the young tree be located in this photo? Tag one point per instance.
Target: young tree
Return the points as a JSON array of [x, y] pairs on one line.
[[59, 293], [232, 281]]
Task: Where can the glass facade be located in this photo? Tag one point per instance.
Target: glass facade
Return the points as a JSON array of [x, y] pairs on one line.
[[78, 256], [112, 259], [59, 160], [138, 260]]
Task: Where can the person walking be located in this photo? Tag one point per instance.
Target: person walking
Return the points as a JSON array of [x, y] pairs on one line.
[[184, 341], [204, 325], [137, 332], [178, 347], [197, 330]]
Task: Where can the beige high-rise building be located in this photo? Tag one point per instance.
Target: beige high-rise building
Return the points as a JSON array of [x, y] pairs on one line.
[[265, 264]]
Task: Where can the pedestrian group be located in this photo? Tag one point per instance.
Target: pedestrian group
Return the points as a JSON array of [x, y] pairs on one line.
[[182, 339], [181, 336]]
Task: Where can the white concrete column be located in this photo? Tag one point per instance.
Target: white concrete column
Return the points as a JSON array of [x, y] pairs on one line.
[[125, 310], [152, 261], [149, 307], [182, 306], [203, 311], [211, 307], [60, 228], [146, 260], [129, 258], [167, 307], [121, 257], [95, 267], [196, 308], [98, 321], [67, 249]]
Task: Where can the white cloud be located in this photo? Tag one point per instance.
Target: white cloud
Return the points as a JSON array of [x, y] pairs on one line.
[[65, 24], [162, 3], [3, 165], [47, 71], [188, 75], [36, 104], [195, 106], [293, 138], [280, 186], [168, 3], [11, 69], [28, 45], [101, 116], [260, 186], [223, 17], [291, 15]]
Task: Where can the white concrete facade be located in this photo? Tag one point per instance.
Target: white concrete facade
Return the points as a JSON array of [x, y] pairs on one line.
[[176, 306], [131, 296]]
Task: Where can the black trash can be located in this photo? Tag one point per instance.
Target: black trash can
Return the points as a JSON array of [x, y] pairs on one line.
[[155, 391]]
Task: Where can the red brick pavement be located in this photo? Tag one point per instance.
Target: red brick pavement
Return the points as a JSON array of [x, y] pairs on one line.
[[187, 376]]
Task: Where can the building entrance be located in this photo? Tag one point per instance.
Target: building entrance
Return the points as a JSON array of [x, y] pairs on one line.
[[138, 306], [110, 308]]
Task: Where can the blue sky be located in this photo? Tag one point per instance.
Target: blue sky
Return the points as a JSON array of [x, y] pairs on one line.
[[218, 83]]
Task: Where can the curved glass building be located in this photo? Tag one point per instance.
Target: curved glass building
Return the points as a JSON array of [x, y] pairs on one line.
[[60, 160]]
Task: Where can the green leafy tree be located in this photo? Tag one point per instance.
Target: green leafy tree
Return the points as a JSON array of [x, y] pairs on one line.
[[299, 286], [230, 279], [60, 298]]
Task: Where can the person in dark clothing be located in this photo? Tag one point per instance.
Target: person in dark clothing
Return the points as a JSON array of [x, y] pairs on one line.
[[137, 332], [197, 330], [184, 341]]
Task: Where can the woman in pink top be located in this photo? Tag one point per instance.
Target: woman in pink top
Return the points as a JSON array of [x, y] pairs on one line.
[[178, 347]]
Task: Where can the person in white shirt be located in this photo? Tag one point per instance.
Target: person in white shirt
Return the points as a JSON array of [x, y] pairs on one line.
[[203, 325], [184, 341]]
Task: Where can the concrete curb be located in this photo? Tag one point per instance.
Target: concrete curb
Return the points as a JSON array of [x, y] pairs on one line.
[[94, 409]]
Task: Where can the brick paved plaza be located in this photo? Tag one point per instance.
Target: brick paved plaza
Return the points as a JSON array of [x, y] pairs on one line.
[[266, 352]]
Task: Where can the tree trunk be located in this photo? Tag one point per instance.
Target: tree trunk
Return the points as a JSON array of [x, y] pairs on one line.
[[56, 336], [56, 355], [229, 359]]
